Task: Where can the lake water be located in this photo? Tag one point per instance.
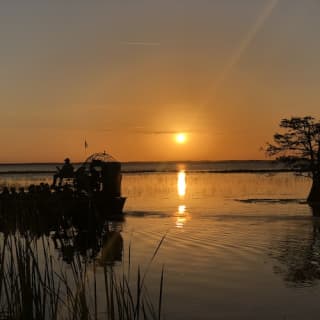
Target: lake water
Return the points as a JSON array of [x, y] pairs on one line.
[[237, 245]]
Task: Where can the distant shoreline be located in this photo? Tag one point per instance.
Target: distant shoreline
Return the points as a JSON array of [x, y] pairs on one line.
[[165, 171], [228, 166], [141, 162]]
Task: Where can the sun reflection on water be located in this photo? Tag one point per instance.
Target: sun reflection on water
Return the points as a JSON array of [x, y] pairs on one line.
[[181, 186], [181, 216], [182, 209]]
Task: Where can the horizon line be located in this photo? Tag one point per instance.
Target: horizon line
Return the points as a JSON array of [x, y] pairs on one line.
[[141, 161]]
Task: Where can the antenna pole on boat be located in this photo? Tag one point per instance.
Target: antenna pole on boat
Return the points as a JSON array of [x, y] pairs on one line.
[[85, 148]]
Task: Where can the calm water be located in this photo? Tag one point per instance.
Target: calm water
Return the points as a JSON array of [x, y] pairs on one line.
[[225, 258], [130, 167], [237, 246]]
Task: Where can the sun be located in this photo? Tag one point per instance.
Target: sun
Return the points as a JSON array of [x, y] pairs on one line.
[[181, 138]]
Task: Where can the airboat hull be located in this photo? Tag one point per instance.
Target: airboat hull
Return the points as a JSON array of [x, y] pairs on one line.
[[60, 205], [107, 205], [95, 190]]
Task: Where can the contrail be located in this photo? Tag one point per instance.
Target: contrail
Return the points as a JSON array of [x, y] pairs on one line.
[[140, 43], [245, 43]]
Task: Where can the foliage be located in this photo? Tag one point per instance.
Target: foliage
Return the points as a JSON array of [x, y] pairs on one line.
[[299, 144]]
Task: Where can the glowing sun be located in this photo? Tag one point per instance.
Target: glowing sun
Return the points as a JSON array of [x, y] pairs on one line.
[[180, 138]]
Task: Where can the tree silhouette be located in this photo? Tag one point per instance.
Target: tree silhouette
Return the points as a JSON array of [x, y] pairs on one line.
[[299, 145]]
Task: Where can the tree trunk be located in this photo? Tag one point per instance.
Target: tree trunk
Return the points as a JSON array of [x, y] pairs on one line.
[[314, 195], [315, 207]]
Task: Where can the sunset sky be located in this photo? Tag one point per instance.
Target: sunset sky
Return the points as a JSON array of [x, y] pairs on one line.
[[128, 75]]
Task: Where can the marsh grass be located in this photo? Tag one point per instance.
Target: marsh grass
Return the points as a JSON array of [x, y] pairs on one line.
[[33, 285]]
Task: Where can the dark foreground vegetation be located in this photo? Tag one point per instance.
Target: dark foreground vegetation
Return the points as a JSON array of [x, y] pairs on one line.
[[86, 282]]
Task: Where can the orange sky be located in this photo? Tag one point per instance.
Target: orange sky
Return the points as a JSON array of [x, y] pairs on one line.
[[127, 75]]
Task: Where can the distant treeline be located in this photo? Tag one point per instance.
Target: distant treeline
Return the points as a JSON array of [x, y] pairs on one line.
[[229, 166]]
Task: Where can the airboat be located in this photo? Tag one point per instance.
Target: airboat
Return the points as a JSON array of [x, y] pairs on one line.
[[99, 180], [94, 189]]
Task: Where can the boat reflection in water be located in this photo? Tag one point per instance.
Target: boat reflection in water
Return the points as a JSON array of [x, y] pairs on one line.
[[112, 245], [102, 242], [182, 214], [88, 234]]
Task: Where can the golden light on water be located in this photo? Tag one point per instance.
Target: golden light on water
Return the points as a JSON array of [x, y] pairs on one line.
[[180, 222], [181, 184], [182, 209], [182, 216], [181, 138]]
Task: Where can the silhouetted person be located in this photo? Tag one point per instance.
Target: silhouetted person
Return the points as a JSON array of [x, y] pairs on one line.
[[82, 179], [13, 193], [21, 191], [5, 193], [94, 179], [65, 172]]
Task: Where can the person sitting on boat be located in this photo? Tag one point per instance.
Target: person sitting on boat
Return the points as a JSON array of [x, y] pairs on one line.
[[65, 172], [82, 179], [94, 179]]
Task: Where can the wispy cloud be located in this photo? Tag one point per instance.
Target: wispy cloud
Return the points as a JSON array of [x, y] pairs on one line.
[[140, 43], [163, 132]]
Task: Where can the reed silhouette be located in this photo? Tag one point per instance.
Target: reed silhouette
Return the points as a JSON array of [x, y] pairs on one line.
[[34, 285]]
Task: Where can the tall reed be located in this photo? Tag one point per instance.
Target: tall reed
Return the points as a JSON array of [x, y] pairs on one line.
[[34, 285]]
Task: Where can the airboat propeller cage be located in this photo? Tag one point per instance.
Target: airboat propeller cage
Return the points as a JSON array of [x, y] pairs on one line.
[[110, 172]]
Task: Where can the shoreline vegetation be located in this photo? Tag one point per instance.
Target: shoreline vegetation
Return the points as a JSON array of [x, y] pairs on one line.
[[229, 166], [34, 285], [151, 162], [165, 171]]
